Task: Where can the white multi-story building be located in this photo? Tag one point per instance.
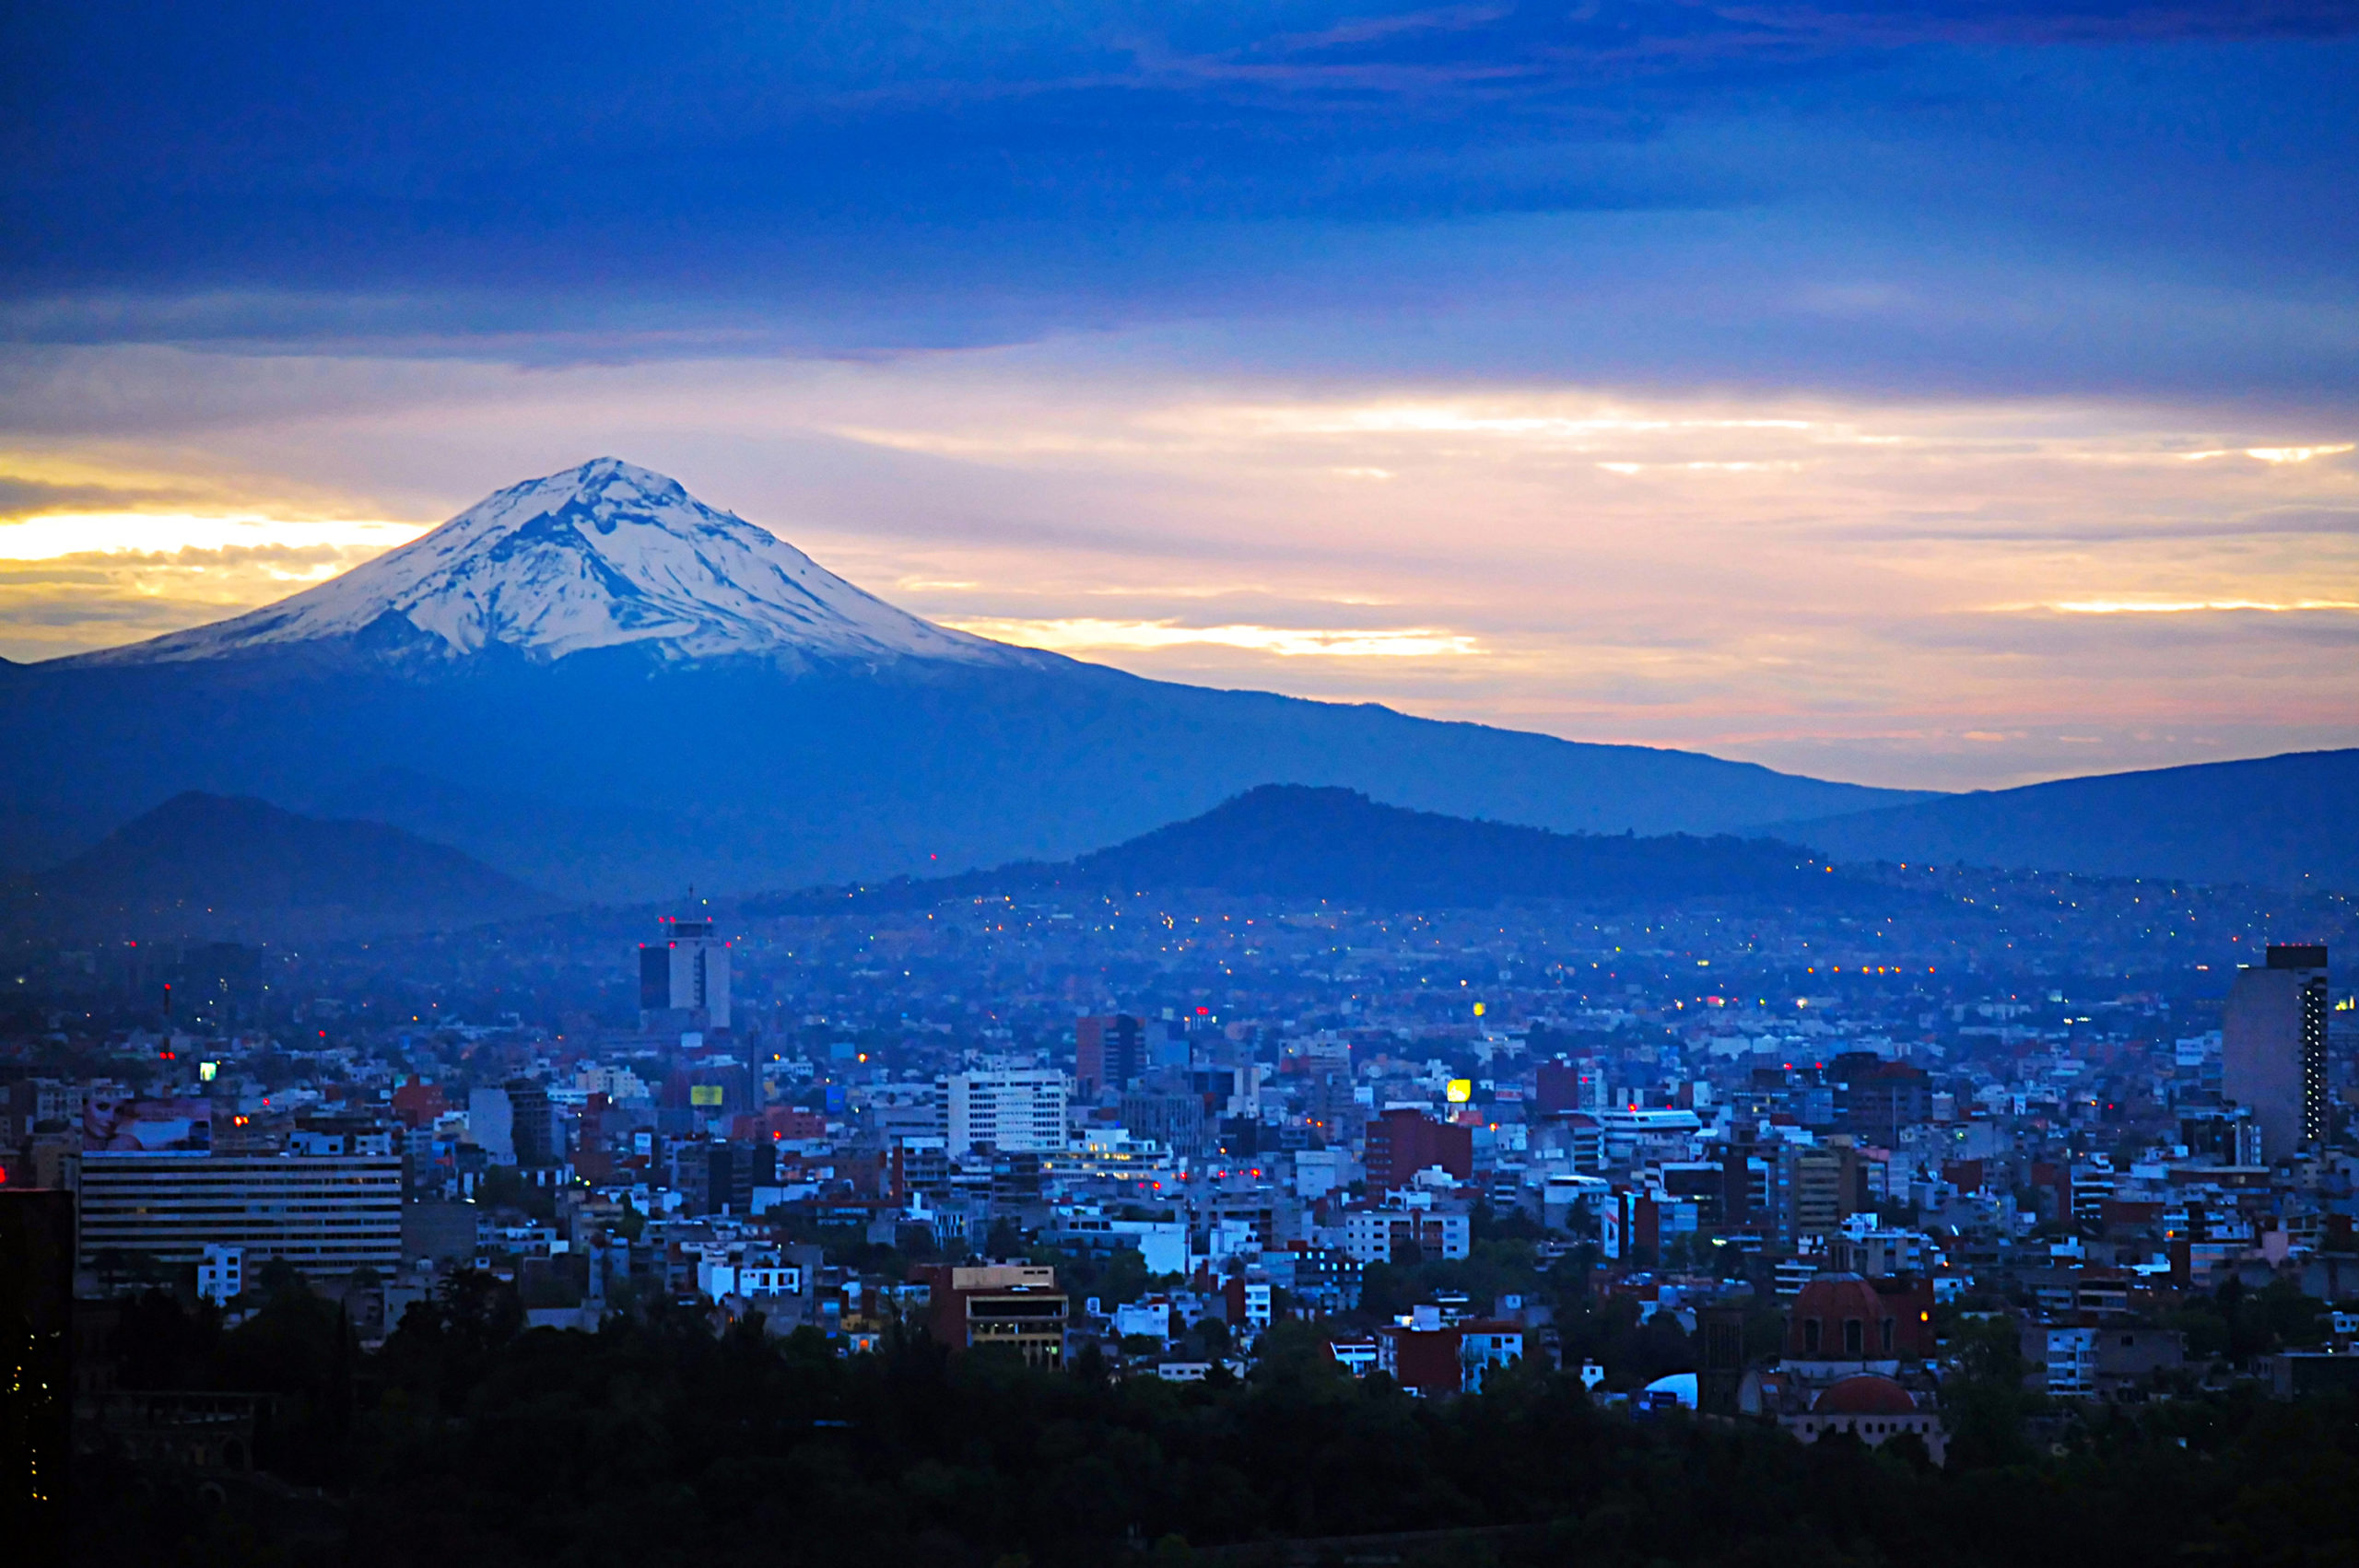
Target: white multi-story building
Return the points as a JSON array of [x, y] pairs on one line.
[[618, 1083], [1162, 1244], [752, 1273], [327, 1214], [1318, 1171], [1145, 1320], [1482, 1346], [221, 1274], [1015, 1111], [1380, 1235], [2071, 1363], [683, 979]]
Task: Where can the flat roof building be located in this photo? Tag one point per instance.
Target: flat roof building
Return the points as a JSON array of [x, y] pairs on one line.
[[1016, 1111], [2274, 1049], [683, 979], [327, 1214], [1016, 1306]]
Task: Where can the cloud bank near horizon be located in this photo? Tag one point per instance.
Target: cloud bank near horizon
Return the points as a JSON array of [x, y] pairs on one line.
[[1943, 594], [1929, 393]]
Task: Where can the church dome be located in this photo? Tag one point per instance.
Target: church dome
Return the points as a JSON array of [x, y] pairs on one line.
[[1864, 1395]]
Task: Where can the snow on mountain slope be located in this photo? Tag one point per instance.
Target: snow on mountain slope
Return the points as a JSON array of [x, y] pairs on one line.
[[600, 555]]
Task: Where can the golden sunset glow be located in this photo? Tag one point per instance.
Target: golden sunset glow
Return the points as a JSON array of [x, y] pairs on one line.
[[1845, 587]]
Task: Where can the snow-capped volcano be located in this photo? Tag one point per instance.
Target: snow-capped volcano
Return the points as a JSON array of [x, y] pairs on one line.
[[598, 556]]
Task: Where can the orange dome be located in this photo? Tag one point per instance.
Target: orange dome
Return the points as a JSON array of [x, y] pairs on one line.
[[1864, 1395], [1835, 1296]]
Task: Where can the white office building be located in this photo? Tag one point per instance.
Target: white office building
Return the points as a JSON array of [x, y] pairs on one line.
[[327, 1214], [1382, 1236], [683, 979], [2071, 1362], [750, 1274], [221, 1274], [1018, 1111]]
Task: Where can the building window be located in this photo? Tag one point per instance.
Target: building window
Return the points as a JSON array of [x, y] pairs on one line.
[[1855, 1337], [1810, 1336], [1888, 1327]]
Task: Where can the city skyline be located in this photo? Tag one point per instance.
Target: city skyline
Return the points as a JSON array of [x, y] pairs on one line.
[[1317, 781]]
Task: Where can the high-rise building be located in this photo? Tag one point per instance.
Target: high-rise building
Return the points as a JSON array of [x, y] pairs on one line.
[[1228, 1088], [532, 1124], [2273, 1047], [1816, 1190], [1558, 1089], [1017, 1110], [1109, 1053], [720, 1178], [32, 1102], [1167, 1043], [683, 979], [491, 1120], [2222, 1136], [327, 1214], [1405, 1141], [1880, 1100], [1334, 1110], [1175, 1121]]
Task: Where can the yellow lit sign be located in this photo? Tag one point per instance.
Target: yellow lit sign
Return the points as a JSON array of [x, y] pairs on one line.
[[705, 1094], [1461, 1090]]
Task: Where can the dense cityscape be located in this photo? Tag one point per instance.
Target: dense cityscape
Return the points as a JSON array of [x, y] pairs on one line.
[[1336, 784], [1815, 1170]]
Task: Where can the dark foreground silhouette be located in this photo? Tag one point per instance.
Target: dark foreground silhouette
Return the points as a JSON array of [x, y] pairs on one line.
[[465, 1439]]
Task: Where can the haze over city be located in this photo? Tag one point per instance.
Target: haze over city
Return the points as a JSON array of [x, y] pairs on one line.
[[1290, 785]]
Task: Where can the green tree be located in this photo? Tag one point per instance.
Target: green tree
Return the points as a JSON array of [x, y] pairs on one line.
[[1004, 1240], [1984, 1402], [1123, 1279], [2290, 1316]]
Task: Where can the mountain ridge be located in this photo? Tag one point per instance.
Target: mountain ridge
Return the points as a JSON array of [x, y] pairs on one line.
[[210, 866], [575, 737], [1303, 841], [2281, 821], [591, 778]]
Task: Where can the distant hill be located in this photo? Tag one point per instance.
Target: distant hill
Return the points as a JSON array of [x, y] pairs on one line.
[[215, 866], [2289, 822], [1302, 841], [618, 690]]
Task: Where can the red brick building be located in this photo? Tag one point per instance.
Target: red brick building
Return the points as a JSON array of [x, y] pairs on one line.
[[1403, 1141], [1109, 1053], [1015, 1304]]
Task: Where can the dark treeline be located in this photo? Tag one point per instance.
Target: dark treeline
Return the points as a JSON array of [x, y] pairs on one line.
[[465, 1440]]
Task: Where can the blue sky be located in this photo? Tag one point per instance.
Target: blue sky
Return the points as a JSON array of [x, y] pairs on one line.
[[360, 264], [858, 176]]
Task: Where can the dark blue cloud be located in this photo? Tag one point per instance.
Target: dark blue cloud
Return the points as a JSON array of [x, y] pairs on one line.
[[856, 175]]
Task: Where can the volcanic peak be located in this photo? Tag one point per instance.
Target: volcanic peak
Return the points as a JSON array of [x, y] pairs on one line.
[[600, 556]]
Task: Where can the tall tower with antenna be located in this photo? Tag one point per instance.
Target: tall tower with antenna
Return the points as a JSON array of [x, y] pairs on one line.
[[684, 978]]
